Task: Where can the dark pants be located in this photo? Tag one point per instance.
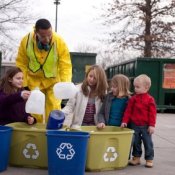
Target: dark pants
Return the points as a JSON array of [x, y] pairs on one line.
[[141, 135]]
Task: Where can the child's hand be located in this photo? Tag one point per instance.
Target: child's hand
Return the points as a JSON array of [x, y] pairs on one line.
[[123, 125], [30, 120], [151, 130], [25, 94], [101, 125]]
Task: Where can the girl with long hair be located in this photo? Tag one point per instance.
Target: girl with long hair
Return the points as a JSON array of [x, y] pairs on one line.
[[13, 98], [83, 109], [115, 102]]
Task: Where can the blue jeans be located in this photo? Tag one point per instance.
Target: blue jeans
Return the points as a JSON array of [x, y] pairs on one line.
[[141, 135]]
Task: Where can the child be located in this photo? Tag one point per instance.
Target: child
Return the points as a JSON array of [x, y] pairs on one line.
[[141, 113], [115, 102], [13, 98], [83, 109]]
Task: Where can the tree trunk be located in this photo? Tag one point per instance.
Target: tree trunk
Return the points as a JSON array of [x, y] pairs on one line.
[[148, 38]]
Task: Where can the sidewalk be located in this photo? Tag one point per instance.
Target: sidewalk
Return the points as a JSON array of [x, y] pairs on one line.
[[164, 162]]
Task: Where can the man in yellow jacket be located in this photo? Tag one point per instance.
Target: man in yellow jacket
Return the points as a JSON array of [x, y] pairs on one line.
[[45, 60]]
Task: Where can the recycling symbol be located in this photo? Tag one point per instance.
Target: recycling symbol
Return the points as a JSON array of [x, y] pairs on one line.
[[110, 155], [30, 151], [65, 151]]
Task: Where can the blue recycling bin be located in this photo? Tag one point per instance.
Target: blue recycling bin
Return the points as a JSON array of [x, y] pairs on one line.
[[5, 138], [66, 152]]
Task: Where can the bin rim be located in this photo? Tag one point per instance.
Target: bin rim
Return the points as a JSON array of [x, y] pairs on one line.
[[111, 133], [102, 132], [67, 133], [18, 128], [4, 128]]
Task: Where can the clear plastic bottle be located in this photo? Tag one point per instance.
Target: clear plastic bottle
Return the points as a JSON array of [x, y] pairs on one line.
[[64, 90], [36, 102]]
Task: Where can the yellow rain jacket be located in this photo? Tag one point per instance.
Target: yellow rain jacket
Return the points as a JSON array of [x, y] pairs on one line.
[[37, 75]]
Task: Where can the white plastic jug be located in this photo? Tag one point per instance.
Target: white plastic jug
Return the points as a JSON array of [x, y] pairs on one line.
[[64, 90], [36, 102]]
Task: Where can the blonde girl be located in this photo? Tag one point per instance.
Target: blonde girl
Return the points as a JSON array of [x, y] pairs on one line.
[[83, 109], [115, 102]]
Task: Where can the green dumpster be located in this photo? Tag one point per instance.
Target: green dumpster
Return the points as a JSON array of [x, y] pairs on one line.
[[161, 71], [81, 62]]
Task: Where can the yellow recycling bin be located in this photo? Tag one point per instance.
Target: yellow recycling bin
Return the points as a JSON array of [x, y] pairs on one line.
[[108, 148], [28, 145]]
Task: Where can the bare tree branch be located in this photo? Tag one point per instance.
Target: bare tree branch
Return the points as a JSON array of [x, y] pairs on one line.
[[143, 25], [14, 14]]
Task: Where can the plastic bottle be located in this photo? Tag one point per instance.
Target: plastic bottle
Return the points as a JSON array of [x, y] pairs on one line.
[[64, 90], [36, 102]]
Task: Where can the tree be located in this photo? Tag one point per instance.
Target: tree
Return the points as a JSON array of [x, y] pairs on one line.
[[104, 58], [85, 48], [14, 14], [143, 25]]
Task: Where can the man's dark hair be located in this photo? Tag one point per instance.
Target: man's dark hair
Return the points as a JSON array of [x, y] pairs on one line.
[[42, 24]]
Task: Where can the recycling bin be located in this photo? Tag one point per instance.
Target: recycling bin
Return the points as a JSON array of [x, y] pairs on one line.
[[28, 145], [108, 148], [66, 152], [5, 137]]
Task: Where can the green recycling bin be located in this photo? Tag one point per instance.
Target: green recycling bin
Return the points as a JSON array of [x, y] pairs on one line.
[[28, 145], [108, 148]]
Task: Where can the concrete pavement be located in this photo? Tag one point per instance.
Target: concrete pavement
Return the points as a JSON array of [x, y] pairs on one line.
[[164, 162]]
